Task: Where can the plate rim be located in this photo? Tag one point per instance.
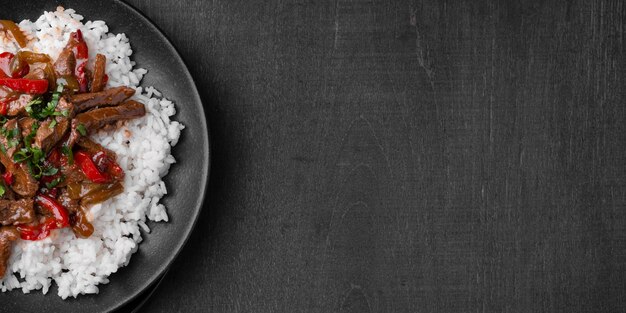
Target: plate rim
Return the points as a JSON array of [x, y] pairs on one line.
[[205, 169]]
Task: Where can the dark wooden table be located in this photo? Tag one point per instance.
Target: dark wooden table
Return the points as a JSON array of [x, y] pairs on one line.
[[405, 156]]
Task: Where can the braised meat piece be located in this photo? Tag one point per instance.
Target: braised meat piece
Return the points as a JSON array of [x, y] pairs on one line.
[[109, 97], [48, 136], [93, 147], [65, 64], [26, 125], [14, 212], [99, 77], [17, 107], [98, 118], [7, 236], [24, 183]]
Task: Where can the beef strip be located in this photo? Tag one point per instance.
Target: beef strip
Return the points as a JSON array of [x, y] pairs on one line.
[[47, 137], [26, 125], [109, 97], [98, 82], [72, 205], [7, 236], [98, 118], [24, 183], [71, 173], [14, 212], [17, 107], [93, 147], [66, 105], [65, 63], [16, 101]]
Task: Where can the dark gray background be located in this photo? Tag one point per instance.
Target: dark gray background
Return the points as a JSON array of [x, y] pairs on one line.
[[405, 156]]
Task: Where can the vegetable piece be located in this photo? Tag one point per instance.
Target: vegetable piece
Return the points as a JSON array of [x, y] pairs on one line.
[[18, 67], [12, 66], [81, 52], [8, 178], [81, 129], [32, 57], [81, 76], [5, 61], [4, 107], [79, 46], [102, 193], [37, 232], [108, 165], [40, 110], [89, 168], [15, 31], [81, 225], [31, 86], [59, 213]]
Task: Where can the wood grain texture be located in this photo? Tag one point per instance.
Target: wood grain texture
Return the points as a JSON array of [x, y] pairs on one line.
[[405, 156]]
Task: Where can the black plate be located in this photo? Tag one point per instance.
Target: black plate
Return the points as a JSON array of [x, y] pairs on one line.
[[186, 181]]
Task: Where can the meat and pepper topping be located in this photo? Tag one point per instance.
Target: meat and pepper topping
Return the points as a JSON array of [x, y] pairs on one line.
[[51, 170]]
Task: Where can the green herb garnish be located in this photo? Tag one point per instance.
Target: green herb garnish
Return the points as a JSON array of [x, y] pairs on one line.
[[49, 171], [33, 157], [36, 108], [81, 129], [28, 140], [54, 182], [68, 152]]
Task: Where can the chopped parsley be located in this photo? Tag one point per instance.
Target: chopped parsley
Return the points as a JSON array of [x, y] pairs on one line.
[[11, 136], [68, 152], [36, 108], [81, 129], [33, 157], [28, 140], [54, 182], [49, 171]]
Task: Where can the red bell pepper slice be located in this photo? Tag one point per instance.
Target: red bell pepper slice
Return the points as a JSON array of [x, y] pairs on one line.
[[37, 232], [81, 52], [81, 77], [89, 168], [5, 64], [107, 165], [4, 107], [79, 46], [8, 178], [13, 66], [59, 212], [31, 86]]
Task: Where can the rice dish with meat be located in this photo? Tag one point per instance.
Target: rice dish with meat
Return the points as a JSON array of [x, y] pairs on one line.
[[143, 145]]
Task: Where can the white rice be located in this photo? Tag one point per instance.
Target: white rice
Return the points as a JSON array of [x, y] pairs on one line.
[[78, 266]]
